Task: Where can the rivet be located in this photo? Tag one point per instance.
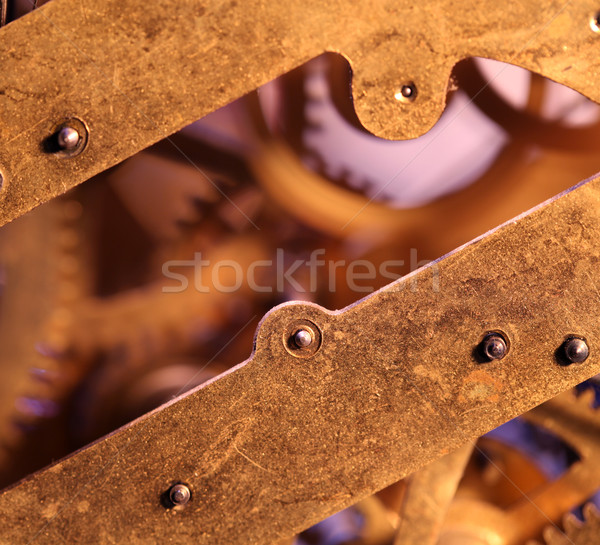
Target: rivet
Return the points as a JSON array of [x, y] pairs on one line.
[[179, 495], [303, 338], [68, 138], [494, 347], [595, 22], [575, 350], [407, 93]]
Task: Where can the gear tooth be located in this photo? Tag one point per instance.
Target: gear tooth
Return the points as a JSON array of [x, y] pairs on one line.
[[553, 536], [363, 185], [312, 163], [313, 115], [316, 88], [571, 524], [591, 513], [314, 127], [44, 375]]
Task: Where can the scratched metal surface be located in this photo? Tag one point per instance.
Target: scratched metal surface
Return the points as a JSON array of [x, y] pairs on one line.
[[283, 441], [136, 74]]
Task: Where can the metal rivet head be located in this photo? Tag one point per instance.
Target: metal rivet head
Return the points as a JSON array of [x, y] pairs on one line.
[[68, 138], [575, 350], [407, 93], [595, 22], [179, 495], [494, 347], [303, 338]]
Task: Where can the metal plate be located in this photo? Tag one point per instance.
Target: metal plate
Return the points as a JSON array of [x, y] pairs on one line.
[[135, 74], [282, 441]]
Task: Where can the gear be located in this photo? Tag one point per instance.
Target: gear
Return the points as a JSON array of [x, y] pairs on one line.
[[483, 119], [408, 173], [503, 499], [46, 273], [576, 532], [114, 346]]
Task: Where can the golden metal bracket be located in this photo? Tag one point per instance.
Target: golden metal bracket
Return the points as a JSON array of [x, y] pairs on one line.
[[132, 75]]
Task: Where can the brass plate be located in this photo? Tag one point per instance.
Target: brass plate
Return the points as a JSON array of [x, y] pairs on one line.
[[282, 441], [135, 73]]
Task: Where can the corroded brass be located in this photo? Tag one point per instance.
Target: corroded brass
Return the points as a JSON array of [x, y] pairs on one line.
[[279, 442], [135, 75]]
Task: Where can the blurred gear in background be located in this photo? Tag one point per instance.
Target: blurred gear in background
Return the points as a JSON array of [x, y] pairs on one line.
[[135, 287]]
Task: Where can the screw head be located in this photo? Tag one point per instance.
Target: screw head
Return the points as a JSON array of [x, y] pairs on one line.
[[576, 350], [303, 338], [68, 138], [494, 347], [179, 494]]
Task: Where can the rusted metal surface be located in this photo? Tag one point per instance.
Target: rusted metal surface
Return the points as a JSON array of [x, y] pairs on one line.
[[282, 441], [134, 75]]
